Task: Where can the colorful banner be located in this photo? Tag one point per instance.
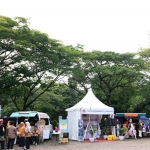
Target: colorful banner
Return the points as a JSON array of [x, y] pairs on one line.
[[80, 130], [63, 126]]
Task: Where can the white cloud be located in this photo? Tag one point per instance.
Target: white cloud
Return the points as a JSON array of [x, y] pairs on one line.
[[117, 25]]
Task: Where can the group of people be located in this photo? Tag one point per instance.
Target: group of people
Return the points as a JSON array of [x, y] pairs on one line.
[[23, 132], [133, 129], [10, 134]]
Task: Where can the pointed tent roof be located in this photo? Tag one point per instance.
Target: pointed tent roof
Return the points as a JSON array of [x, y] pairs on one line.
[[90, 104]]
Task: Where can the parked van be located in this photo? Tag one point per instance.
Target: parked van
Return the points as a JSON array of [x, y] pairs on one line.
[[33, 117]]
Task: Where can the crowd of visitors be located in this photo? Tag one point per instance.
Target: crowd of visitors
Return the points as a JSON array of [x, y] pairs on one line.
[[24, 134]]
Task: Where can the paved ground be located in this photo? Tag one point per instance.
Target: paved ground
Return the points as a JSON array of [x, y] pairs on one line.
[[128, 144]]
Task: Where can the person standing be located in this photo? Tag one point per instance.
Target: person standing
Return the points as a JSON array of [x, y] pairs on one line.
[[18, 133], [22, 135], [27, 134], [140, 127], [131, 128], [11, 134], [2, 133]]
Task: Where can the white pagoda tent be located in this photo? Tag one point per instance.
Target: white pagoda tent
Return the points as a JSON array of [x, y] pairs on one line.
[[89, 105]]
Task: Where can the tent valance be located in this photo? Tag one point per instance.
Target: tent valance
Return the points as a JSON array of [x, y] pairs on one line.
[[23, 114], [130, 114]]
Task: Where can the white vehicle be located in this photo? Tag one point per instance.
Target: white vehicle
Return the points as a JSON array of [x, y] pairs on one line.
[[33, 117]]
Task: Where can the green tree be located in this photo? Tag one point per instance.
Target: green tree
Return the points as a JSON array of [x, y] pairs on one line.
[[144, 86], [57, 100], [30, 62], [108, 73]]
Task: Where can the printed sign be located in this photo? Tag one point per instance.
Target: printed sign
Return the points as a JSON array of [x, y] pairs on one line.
[[80, 130], [63, 126], [46, 134]]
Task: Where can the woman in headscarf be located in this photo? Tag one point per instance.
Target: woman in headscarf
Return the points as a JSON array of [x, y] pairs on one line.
[[18, 133], [27, 134], [22, 135], [2, 132]]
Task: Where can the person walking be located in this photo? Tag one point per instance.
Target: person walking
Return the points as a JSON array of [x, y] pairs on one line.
[[22, 135], [2, 133], [27, 134], [11, 134]]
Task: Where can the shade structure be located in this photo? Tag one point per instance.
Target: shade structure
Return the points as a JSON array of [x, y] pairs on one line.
[[23, 114], [88, 105], [130, 114]]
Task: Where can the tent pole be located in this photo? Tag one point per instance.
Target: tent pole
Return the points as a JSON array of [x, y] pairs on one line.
[[89, 126]]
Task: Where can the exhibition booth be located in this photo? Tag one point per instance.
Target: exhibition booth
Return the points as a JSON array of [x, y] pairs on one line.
[[86, 113]]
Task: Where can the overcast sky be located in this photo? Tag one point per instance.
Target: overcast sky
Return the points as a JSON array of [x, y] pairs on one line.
[[106, 25]]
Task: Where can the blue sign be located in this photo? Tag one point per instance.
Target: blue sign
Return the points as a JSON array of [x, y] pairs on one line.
[[63, 126], [80, 130]]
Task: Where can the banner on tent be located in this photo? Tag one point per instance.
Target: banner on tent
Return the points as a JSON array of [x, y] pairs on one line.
[[84, 111], [80, 130]]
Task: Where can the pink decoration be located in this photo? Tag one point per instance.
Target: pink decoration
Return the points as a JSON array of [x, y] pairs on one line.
[[56, 129]]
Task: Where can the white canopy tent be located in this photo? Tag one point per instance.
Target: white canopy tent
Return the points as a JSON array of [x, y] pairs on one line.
[[88, 105]]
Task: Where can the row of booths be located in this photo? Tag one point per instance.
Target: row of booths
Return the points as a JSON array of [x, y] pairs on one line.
[[90, 111], [122, 118]]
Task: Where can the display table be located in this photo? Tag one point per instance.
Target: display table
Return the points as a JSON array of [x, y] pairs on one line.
[[55, 137]]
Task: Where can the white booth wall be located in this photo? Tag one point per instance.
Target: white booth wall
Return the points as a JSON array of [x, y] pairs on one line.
[[73, 117]]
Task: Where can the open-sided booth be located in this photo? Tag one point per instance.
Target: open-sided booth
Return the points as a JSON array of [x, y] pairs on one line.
[[89, 109], [123, 117]]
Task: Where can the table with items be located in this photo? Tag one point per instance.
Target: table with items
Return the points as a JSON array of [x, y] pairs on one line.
[[55, 137]]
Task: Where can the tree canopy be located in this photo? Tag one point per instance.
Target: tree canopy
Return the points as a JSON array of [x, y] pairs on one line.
[[40, 73], [30, 61]]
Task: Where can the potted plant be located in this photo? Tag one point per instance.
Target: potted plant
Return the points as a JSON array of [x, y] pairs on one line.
[[92, 131], [105, 132], [122, 133]]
